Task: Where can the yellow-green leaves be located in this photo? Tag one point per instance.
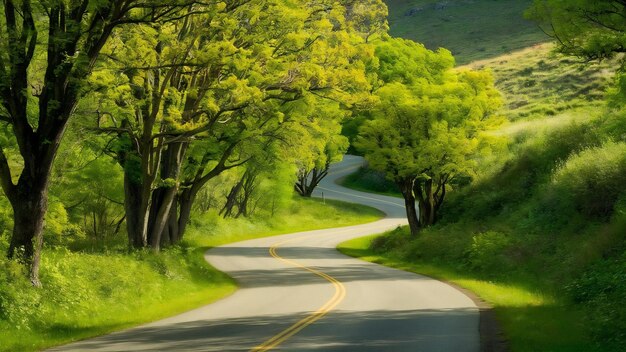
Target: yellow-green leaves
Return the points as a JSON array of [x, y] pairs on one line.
[[429, 117]]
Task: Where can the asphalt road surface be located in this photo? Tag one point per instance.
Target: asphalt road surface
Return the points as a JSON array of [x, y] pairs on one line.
[[299, 294]]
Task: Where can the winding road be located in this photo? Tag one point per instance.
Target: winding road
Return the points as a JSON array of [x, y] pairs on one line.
[[299, 294]]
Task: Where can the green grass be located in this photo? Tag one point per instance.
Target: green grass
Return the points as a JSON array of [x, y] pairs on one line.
[[540, 234], [368, 180], [93, 292], [532, 320], [537, 83], [471, 29], [303, 214]]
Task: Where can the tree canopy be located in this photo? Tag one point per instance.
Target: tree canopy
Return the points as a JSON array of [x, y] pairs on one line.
[[428, 123], [586, 28]]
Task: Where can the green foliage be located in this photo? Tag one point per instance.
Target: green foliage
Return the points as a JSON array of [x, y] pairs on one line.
[[585, 28], [593, 179], [428, 128], [430, 118], [368, 180], [19, 301], [519, 174], [486, 249], [602, 286]]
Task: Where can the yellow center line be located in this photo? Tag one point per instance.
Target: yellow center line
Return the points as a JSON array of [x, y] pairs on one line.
[[340, 294]]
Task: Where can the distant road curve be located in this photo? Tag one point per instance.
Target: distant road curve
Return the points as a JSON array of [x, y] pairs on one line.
[[299, 294]]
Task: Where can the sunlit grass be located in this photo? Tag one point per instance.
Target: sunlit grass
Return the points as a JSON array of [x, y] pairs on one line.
[[90, 294], [303, 214], [532, 320], [536, 125]]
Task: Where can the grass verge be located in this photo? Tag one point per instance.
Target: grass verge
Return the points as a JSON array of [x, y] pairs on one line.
[[531, 318], [372, 181], [92, 293]]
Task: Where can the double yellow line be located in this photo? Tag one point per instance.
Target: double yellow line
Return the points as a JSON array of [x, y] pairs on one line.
[[340, 294]]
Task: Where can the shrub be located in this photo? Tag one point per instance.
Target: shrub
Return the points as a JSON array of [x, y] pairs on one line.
[[19, 301], [486, 250], [371, 180], [599, 289], [593, 179]]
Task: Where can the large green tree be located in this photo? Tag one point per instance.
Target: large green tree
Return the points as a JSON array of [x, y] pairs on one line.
[[47, 51], [193, 94], [427, 127]]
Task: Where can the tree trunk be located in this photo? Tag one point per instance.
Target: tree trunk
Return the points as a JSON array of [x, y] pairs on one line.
[[172, 223], [29, 210], [406, 187], [231, 199], [427, 202], [136, 204], [248, 188], [185, 203], [308, 181], [163, 198], [162, 215]]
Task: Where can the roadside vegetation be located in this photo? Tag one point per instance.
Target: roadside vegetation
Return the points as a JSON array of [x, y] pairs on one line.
[[539, 231], [368, 180], [541, 239], [91, 289], [136, 134]]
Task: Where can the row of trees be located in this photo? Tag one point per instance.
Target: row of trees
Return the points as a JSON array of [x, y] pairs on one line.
[[177, 91]]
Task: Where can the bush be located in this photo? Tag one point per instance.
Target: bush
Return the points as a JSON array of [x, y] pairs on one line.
[[530, 167], [19, 301], [593, 179], [486, 250], [599, 289], [371, 180]]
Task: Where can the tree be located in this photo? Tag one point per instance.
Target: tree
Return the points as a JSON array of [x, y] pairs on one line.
[[41, 81], [319, 143], [586, 28], [195, 93], [428, 125]]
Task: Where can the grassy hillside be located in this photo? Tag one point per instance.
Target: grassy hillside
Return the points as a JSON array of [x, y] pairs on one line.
[[536, 83], [471, 29], [539, 233], [542, 238]]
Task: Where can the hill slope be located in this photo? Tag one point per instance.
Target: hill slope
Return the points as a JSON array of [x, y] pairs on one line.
[[471, 29]]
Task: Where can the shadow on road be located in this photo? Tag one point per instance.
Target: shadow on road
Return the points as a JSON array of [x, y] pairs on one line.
[[349, 271], [360, 331]]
